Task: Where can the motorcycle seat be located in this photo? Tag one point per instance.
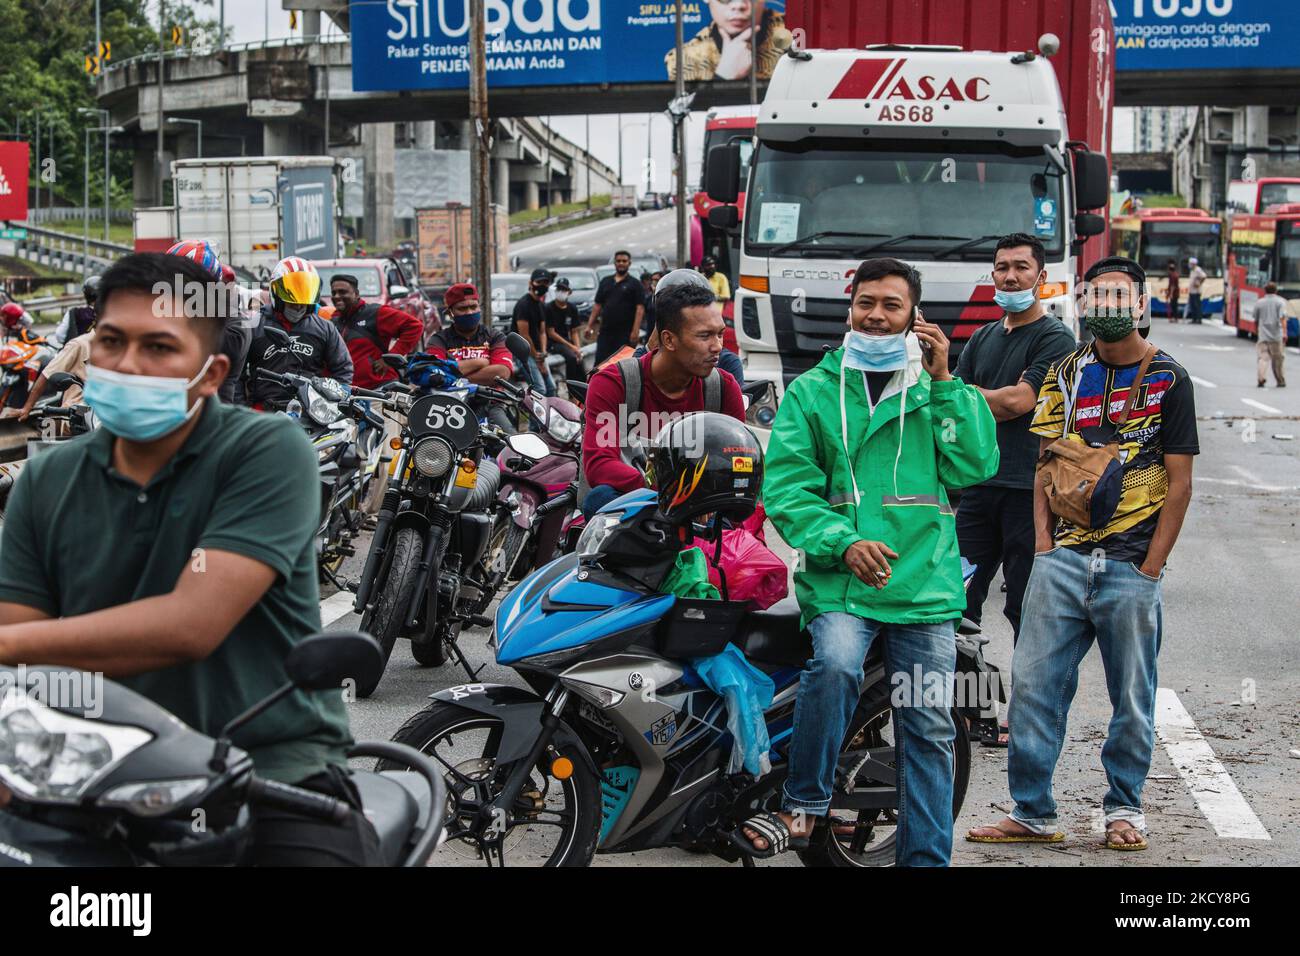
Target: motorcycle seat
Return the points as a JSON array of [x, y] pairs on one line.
[[391, 807], [774, 637]]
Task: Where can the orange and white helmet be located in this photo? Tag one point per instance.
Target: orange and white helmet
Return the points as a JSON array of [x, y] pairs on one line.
[[295, 281]]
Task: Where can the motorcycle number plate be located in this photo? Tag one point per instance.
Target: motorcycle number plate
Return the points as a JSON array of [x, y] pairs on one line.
[[445, 416]]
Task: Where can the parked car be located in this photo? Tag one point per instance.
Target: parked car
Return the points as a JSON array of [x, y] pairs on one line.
[[507, 287], [380, 280], [650, 201]]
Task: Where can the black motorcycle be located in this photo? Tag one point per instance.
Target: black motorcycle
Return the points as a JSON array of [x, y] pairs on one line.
[[133, 786], [426, 572]]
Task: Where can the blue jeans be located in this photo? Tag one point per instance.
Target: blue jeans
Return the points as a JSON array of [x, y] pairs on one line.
[[923, 735], [1073, 599], [538, 379], [597, 498]]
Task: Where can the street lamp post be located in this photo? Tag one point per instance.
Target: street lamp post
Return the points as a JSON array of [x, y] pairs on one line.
[[162, 25], [103, 118], [85, 208], [679, 124], [192, 122]]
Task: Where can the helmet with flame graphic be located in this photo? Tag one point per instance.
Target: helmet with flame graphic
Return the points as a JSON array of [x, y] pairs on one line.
[[704, 463]]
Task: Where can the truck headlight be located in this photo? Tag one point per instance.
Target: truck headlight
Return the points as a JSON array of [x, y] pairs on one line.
[[50, 757]]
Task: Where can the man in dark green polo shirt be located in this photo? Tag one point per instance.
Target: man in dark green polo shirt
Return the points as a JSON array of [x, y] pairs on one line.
[[172, 550]]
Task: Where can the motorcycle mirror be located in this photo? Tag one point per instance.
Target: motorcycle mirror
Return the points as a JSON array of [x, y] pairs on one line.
[[393, 360], [62, 381], [518, 346], [330, 659], [529, 445], [278, 336], [398, 291]]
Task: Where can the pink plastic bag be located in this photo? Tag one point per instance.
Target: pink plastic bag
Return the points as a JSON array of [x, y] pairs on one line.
[[753, 572]]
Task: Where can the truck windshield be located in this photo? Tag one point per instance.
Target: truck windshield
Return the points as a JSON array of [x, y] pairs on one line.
[[1180, 241], [926, 199], [1273, 194]]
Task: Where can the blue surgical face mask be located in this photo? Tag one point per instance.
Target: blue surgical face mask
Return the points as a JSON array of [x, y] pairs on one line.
[[875, 353], [468, 322], [140, 407], [1017, 301]]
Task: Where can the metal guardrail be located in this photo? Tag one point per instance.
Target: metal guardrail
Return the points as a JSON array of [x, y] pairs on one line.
[[576, 216], [115, 65], [63, 251]]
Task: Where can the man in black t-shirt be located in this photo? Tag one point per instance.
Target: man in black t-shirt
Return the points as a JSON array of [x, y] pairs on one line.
[[1100, 584], [1007, 361], [562, 330], [529, 320], [620, 308]]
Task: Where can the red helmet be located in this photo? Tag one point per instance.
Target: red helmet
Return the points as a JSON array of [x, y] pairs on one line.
[[12, 313]]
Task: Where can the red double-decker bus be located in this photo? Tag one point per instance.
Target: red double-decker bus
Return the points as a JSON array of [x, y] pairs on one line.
[[1261, 249]]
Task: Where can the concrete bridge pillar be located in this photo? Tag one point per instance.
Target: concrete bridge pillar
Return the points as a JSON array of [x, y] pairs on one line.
[[311, 23], [532, 199], [501, 186], [281, 138], [377, 142]]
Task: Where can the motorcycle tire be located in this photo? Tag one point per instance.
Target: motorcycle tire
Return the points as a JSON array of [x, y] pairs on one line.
[[829, 849], [431, 654], [442, 721], [385, 622], [512, 550]]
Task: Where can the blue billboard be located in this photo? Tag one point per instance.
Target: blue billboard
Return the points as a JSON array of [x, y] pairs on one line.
[[423, 44], [1205, 34]]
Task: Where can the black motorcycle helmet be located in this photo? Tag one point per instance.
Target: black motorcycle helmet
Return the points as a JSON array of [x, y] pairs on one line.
[[707, 462], [90, 288]]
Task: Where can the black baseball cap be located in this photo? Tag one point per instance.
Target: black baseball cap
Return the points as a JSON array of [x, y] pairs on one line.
[[562, 283], [1117, 264], [541, 275]]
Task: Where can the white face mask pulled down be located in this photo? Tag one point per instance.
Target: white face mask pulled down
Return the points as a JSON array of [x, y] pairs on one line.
[[913, 358]]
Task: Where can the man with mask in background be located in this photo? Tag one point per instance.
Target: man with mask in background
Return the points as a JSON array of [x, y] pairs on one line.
[[1100, 583], [1007, 361], [863, 450], [315, 346], [180, 566]]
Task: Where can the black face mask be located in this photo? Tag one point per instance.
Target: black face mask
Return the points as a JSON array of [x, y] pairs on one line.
[[540, 289]]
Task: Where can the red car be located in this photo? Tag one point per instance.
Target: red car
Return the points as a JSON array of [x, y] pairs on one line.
[[380, 280]]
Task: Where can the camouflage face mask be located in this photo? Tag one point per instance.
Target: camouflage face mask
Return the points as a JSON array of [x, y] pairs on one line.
[[1110, 323]]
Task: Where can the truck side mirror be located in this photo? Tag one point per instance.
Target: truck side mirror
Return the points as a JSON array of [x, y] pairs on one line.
[[722, 173], [724, 217], [1091, 180], [1089, 224]]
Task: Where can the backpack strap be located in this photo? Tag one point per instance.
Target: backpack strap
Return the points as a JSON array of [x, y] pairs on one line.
[[1133, 388], [630, 369], [713, 392]]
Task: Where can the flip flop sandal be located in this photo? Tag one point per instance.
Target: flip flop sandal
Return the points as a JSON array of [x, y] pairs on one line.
[[771, 828], [989, 737], [1015, 837], [1120, 844]]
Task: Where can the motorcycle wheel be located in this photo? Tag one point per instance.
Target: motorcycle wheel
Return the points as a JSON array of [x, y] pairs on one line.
[[561, 830], [396, 584], [511, 551], [431, 654], [874, 831]]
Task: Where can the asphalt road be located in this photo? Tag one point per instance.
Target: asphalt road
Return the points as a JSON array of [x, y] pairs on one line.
[[647, 232], [1223, 788]]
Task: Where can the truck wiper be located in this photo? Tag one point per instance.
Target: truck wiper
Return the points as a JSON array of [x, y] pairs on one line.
[[814, 236], [894, 240], [968, 244]]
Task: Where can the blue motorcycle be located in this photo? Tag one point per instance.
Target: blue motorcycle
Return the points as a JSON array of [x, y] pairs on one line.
[[616, 744]]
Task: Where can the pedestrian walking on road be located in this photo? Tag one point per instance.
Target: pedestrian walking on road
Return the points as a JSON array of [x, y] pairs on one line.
[[1270, 314], [1195, 277], [1171, 295], [1100, 557]]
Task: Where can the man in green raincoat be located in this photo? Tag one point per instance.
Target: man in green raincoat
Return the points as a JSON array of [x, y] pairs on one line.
[[862, 453]]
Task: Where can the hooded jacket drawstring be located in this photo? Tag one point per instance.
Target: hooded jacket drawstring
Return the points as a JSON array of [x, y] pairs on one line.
[[912, 345]]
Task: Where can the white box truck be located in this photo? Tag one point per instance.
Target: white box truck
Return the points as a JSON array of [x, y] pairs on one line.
[[260, 209], [623, 200]]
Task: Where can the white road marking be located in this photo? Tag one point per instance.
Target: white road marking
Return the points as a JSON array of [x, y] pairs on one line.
[[1212, 787], [1213, 348], [336, 606], [1203, 383], [1296, 351], [1262, 407], [1247, 484], [1249, 476]]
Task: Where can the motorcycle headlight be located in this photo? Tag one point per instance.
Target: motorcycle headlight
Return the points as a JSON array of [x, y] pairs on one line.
[[563, 429], [432, 457], [49, 757], [598, 529], [320, 408]]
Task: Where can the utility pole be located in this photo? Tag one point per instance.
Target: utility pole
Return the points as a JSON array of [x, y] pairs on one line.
[[586, 150], [649, 156], [36, 216], [620, 148], [548, 167], [158, 160], [480, 159], [679, 127], [753, 51]]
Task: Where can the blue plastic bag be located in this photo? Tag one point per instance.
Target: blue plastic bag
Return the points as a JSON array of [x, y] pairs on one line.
[[748, 693], [427, 371]]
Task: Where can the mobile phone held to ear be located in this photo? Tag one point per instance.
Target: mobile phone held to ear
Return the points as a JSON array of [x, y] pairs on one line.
[[916, 314]]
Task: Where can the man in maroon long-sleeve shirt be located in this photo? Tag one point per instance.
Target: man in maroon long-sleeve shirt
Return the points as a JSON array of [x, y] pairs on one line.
[[673, 377], [370, 330]]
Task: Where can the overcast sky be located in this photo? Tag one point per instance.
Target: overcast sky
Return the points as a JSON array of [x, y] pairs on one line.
[[259, 19]]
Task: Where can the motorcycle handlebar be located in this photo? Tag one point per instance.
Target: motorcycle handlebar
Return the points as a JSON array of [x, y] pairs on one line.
[[564, 500], [281, 796]]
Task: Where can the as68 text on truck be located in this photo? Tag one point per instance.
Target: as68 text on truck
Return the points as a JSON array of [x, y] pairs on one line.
[[926, 154]]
